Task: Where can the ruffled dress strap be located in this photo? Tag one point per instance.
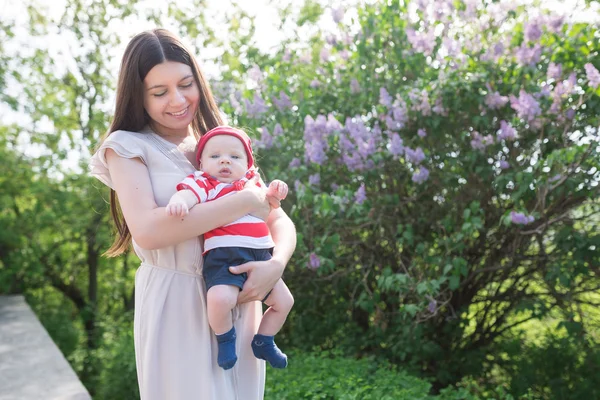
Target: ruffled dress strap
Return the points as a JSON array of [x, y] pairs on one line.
[[125, 144]]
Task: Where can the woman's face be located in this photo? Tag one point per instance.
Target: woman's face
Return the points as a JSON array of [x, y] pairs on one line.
[[171, 97]]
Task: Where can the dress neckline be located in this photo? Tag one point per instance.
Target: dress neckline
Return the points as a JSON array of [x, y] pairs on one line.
[[171, 150]]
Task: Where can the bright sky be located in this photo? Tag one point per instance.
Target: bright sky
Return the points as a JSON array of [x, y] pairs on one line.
[[266, 20]]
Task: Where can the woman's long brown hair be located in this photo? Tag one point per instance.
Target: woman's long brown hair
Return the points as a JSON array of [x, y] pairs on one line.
[[144, 51]]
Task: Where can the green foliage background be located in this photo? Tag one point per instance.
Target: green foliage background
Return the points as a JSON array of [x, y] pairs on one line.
[[424, 289]]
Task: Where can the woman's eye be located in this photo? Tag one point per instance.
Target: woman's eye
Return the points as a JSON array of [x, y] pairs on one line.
[[187, 85], [159, 94], [236, 157]]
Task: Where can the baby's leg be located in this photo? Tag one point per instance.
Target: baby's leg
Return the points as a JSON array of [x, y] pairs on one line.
[[220, 301], [280, 302]]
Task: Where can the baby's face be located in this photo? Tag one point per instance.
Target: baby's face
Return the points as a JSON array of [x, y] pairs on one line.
[[224, 157]]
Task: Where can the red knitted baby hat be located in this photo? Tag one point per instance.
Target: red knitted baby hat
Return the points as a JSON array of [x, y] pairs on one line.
[[227, 130]]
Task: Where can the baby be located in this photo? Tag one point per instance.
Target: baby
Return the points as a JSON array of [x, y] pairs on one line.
[[226, 163]]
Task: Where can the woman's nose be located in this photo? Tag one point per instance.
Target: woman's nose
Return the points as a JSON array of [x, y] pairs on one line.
[[177, 98]]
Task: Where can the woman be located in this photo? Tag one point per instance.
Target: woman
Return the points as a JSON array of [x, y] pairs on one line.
[[163, 106]]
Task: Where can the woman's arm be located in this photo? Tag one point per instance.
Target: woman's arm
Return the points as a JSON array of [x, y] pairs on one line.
[[151, 227], [262, 275]]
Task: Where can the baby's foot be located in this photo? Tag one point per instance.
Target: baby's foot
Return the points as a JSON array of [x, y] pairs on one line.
[[264, 348], [227, 358]]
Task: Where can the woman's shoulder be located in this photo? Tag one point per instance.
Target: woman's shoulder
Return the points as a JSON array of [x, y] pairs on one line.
[[123, 136]]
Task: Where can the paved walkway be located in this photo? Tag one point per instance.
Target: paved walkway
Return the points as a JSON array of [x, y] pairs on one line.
[[31, 366]]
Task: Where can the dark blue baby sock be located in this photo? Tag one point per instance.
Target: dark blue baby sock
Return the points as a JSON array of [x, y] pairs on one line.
[[264, 347], [227, 358]]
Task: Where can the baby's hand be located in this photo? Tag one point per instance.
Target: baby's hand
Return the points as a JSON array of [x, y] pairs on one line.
[[177, 206], [277, 189]]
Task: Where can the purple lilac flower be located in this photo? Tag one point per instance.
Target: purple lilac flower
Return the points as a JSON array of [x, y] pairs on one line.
[[331, 40], [520, 218], [528, 55], [526, 106], [506, 132], [313, 261], [420, 101], [257, 108], [333, 125], [570, 114], [397, 116], [384, 98], [315, 83], [306, 57], [481, 142], [354, 86], [593, 75], [295, 163], [438, 107], [421, 175], [233, 101], [396, 146], [545, 91], [283, 102], [555, 178], [554, 71], [422, 133], [360, 195], [315, 139], [495, 100], [314, 180], [432, 306], [555, 24], [414, 156], [324, 55], [278, 130], [504, 164], [255, 74], [287, 55], [266, 140], [422, 42], [532, 31], [337, 14], [298, 186]]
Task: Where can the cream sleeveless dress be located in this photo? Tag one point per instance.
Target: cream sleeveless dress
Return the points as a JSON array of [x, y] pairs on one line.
[[176, 351]]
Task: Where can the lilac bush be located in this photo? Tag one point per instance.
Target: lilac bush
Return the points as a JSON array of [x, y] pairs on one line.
[[446, 164]]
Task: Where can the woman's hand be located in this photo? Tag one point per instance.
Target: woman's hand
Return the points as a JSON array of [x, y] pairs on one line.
[[262, 276]]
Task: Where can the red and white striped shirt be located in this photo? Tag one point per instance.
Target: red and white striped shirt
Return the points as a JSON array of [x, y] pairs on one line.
[[248, 231]]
